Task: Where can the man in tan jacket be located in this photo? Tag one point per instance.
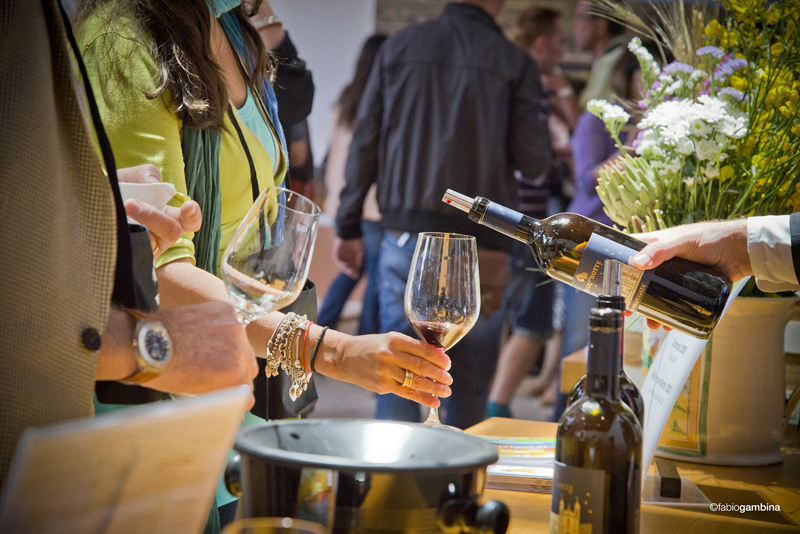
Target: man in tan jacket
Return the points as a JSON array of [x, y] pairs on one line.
[[59, 258]]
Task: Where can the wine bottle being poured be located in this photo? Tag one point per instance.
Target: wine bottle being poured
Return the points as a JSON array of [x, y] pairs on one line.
[[572, 248], [612, 298]]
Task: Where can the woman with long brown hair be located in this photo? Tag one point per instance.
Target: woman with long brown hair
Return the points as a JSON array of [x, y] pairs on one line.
[[185, 86]]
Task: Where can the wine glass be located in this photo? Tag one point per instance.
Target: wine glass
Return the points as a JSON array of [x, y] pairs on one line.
[[266, 263], [442, 300]]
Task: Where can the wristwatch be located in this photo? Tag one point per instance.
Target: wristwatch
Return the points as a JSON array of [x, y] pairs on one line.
[[153, 349]]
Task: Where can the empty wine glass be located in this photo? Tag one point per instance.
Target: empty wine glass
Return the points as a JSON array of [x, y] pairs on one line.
[[442, 299], [266, 263]]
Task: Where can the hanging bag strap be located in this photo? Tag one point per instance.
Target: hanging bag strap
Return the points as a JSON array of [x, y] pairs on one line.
[[124, 287]]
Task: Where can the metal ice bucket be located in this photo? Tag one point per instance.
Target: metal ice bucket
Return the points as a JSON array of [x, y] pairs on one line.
[[356, 476]]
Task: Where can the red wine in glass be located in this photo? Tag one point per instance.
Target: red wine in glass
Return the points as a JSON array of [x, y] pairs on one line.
[[440, 335]]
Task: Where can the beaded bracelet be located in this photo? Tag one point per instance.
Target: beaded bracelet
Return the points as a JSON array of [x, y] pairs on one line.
[[280, 353]]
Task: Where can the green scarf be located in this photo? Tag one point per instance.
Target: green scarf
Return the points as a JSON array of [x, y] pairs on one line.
[[201, 158]]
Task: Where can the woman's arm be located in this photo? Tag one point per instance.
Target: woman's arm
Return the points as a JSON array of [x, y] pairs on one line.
[[376, 363]]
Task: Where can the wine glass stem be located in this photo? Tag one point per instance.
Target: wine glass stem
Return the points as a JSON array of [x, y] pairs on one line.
[[433, 419], [433, 416]]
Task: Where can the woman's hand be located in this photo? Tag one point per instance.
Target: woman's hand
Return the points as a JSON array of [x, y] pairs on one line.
[[379, 363], [165, 225]]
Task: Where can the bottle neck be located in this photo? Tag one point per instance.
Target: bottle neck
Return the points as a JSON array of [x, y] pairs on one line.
[[505, 220], [616, 302], [603, 366]]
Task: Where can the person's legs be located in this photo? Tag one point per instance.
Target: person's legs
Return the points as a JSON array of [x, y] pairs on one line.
[[394, 263], [331, 309], [529, 299], [516, 359], [473, 358], [370, 319], [577, 306]]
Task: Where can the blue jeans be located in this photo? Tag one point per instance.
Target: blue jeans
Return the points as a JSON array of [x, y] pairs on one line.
[[474, 357], [331, 308], [577, 306]]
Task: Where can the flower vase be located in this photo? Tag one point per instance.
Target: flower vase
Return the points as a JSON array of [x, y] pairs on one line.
[[731, 409]]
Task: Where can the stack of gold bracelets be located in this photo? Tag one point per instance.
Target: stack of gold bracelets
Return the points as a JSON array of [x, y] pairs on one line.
[[287, 348]]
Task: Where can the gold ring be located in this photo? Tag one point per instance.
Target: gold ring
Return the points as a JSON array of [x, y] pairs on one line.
[[409, 378]]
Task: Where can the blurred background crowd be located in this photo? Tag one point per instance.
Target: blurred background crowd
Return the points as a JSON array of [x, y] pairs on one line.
[[579, 57]]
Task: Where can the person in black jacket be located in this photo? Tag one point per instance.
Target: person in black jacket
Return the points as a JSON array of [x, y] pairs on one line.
[[450, 103]]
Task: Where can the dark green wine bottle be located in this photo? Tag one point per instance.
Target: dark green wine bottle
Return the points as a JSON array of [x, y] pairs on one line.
[[598, 467], [611, 298], [681, 294]]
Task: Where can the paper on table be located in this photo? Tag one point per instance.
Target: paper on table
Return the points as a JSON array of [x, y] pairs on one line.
[[664, 380]]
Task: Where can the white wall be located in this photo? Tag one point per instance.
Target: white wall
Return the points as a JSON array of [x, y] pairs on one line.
[[328, 35]]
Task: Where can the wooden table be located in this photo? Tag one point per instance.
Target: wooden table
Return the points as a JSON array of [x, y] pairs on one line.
[[780, 484]]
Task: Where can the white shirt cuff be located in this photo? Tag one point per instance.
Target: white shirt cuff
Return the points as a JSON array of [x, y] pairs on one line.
[[769, 244]]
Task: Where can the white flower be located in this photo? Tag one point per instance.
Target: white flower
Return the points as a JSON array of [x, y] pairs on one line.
[[684, 146], [613, 116], [699, 127], [674, 166], [647, 64], [707, 150], [711, 171], [676, 86], [698, 75], [665, 79]]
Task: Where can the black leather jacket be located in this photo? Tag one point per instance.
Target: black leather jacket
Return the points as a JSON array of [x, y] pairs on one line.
[[450, 103]]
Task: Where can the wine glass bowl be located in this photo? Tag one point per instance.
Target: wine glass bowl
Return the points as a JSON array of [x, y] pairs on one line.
[[266, 263], [442, 298]]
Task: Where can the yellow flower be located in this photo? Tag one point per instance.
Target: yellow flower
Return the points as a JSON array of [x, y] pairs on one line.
[[725, 173], [737, 82], [776, 49], [714, 30], [773, 15], [796, 129]]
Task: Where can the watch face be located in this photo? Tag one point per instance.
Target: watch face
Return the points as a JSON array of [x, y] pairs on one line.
[[157, 345]]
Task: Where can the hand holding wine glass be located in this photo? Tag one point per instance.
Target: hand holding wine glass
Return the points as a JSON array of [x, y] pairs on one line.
[[442, 300]]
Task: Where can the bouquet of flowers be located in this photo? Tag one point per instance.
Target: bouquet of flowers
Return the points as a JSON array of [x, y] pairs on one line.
[[720, 133]]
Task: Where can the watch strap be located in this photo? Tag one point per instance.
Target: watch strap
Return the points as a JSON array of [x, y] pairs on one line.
[[140, 377]]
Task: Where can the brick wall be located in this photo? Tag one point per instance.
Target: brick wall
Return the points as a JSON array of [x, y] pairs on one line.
[[394, 15]]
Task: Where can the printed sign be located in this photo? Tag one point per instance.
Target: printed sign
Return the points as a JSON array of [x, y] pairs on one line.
[[665, 381]]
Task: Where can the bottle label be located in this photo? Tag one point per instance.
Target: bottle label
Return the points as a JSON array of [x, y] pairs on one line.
[[589, 275], [578, 500]]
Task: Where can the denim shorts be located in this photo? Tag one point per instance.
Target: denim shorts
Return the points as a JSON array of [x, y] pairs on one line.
[[530, 296]]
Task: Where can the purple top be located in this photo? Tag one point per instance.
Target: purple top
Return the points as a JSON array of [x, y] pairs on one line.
[[591, 145]]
